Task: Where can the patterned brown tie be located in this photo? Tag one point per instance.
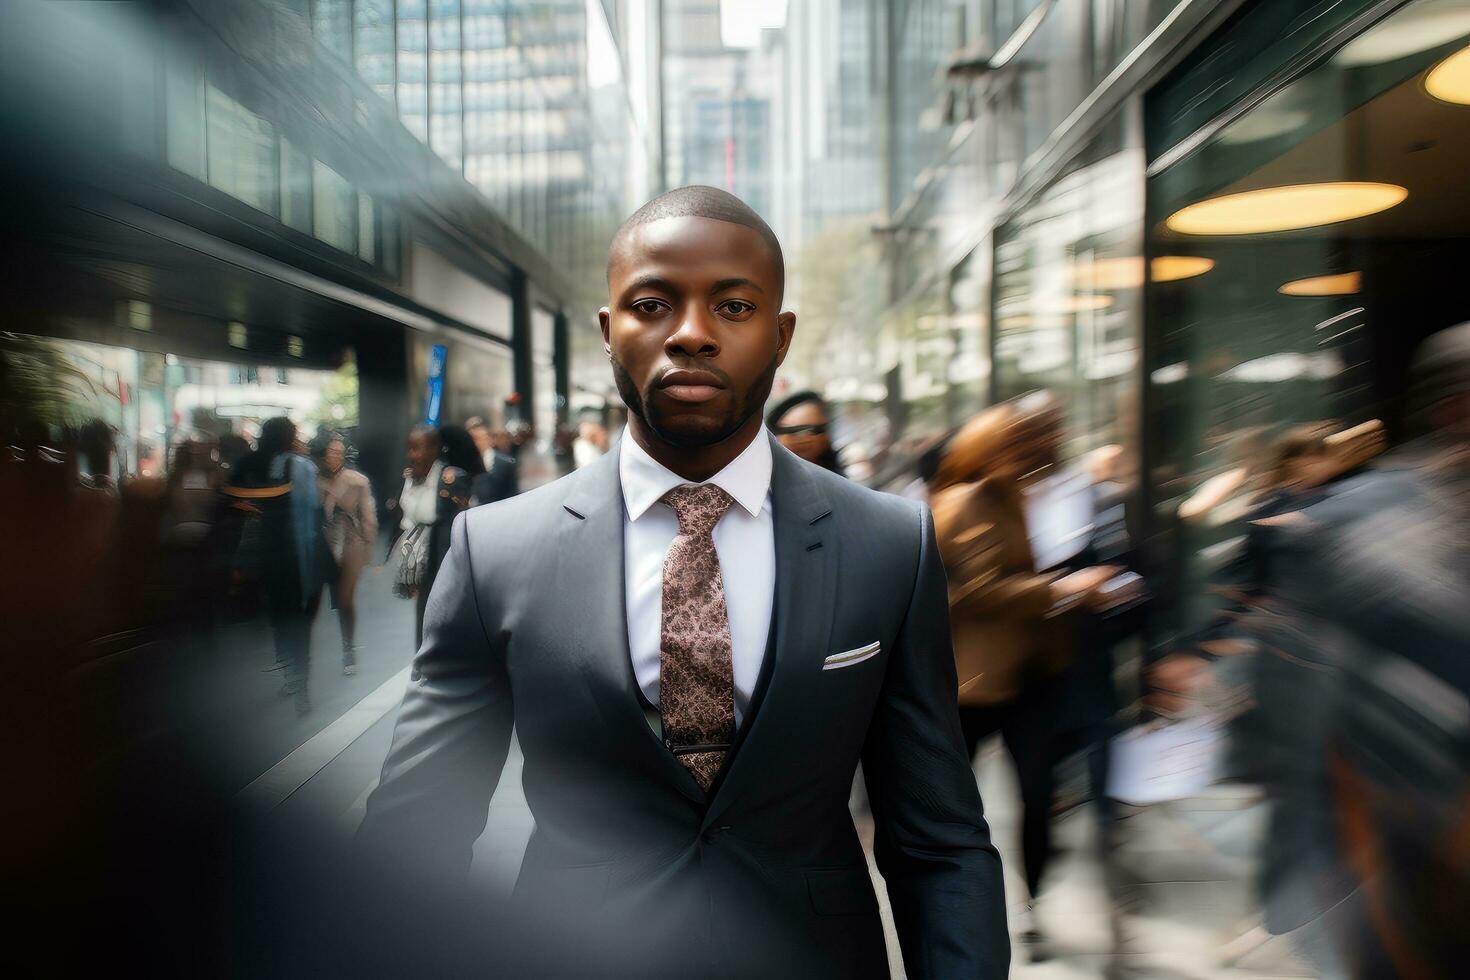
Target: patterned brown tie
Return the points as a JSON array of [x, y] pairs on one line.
[[696, 677]]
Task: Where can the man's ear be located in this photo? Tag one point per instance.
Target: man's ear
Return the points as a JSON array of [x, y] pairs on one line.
[[604, 320], [785, 328]]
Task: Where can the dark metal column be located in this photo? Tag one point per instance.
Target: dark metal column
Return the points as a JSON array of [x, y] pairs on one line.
[[520, 338]]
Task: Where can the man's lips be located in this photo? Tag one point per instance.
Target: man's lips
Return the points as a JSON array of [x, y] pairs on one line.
[[690, 386]]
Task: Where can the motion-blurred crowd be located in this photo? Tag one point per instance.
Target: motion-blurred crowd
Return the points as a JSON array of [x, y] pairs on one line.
[[1333, 656]]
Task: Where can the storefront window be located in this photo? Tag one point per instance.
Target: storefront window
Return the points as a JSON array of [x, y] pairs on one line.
[[1069, 274], [148, 403], [1300, 252]]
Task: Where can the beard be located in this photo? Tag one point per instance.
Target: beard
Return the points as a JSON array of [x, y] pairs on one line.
[[689, 430]]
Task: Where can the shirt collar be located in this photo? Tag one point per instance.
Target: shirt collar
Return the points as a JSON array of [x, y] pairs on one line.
[[645, 480]]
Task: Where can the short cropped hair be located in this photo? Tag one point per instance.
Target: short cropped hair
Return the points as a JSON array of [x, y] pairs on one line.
[[701, 201]]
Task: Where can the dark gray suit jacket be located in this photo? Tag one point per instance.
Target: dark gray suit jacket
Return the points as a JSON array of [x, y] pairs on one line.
[[630, 870]]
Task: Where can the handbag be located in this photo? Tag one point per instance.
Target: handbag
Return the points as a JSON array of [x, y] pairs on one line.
[[413, 562]]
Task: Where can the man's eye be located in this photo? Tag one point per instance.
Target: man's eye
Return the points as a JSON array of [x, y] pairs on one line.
[[648, 307], [736, 307]]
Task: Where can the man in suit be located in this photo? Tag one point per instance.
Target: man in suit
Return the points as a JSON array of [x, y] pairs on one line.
[[697, 639]]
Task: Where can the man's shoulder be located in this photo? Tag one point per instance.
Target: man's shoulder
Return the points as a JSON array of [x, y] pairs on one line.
[[525, 512], [879, 511]]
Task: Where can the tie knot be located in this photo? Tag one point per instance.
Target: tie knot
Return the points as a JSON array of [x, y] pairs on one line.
[[698, 507]]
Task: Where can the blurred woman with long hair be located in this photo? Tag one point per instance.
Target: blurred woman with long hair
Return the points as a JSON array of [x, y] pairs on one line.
[[1013, 624]]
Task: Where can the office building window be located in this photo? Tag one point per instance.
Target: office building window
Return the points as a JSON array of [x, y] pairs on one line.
[[184, 95], [334, 208], [241, 151], [331, 21], [295, 187], [366, 229], [373, 45], [412, 38]]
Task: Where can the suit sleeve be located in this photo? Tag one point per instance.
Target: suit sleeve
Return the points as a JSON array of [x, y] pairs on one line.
[[931, 839], [451, 738]]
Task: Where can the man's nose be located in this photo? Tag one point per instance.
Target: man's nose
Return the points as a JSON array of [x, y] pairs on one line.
[[695, 336]]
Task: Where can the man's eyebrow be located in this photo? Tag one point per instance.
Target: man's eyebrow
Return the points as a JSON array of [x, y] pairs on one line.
[[650, 282], [725, 284]]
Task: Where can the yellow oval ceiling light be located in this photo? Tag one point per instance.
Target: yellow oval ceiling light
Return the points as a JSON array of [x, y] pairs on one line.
[[1449, 81], [1285, 208], [1172, 268], [1343, 284]]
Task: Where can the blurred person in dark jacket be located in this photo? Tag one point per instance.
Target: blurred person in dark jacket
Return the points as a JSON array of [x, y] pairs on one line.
[[1376, 578], [803, 425], [281, 545], [499, 479]]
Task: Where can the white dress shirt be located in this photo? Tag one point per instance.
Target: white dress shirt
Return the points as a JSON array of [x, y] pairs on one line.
[[745, 540]]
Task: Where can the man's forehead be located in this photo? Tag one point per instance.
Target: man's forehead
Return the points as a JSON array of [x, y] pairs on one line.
[[686, 241]]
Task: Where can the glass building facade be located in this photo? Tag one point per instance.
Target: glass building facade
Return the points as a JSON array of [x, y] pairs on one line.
[[368, 175], [1050, 170]]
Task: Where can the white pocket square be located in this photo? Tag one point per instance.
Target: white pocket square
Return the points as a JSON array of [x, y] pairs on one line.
[[850, 657]]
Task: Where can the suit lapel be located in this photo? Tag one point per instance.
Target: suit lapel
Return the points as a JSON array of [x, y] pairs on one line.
[[805, 603], [590, 580]]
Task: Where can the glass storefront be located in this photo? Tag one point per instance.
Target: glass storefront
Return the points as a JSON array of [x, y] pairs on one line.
[[1069, 289], [150, 403], [1300, 252]]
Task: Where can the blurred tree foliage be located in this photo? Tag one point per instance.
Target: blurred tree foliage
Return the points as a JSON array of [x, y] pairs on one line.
[[837, 295], [338, 408], [40, 386]]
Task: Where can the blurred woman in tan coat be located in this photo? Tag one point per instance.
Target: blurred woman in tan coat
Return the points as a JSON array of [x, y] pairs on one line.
[[1012, 625], [351, 529]]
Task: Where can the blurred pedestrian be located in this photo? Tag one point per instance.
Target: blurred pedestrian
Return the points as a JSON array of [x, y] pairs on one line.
[[434, 491], [801, 423], [591, 442], [278, 546], [1370, 587], [499, 479], [1013, 624], [351, 526]]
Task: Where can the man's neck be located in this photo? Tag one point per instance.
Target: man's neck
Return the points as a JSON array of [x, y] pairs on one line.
[[694, 463]]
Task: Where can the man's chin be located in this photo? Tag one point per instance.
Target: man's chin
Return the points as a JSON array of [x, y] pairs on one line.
[[692, 431]]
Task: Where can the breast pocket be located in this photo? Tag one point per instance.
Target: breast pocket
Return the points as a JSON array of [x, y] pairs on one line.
[[846, 659]]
